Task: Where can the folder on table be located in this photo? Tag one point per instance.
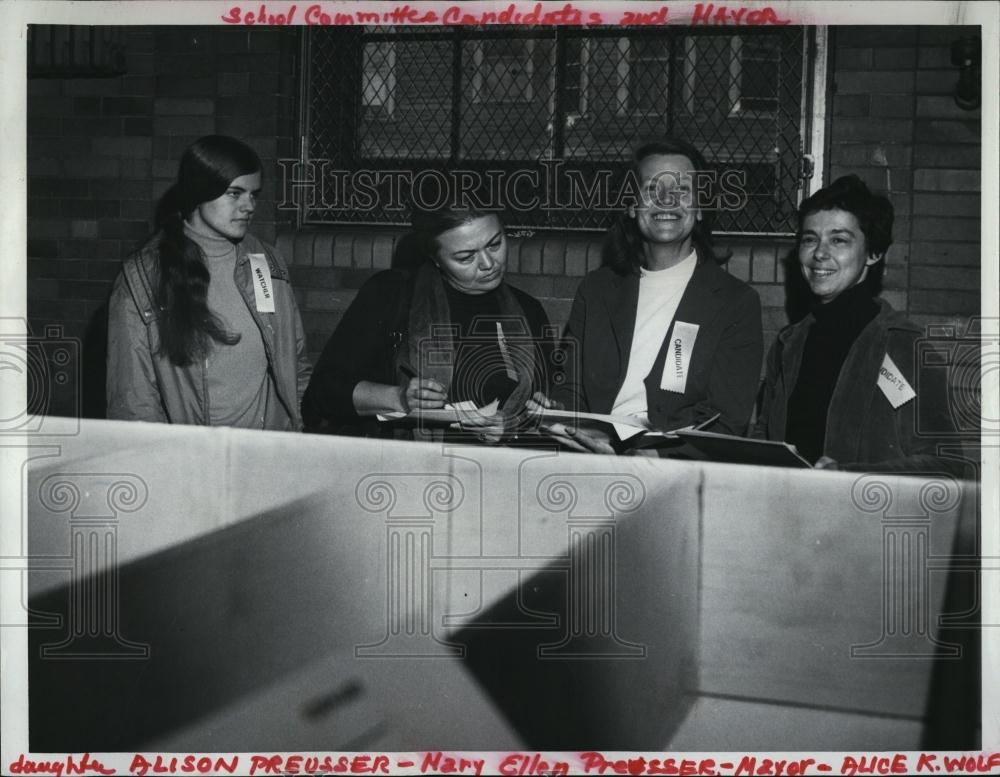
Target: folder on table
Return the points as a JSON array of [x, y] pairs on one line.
[[743, 450]]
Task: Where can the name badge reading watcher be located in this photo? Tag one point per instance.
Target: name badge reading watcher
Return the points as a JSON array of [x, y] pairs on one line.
[[262, 288], [675, 368], [893, 384]]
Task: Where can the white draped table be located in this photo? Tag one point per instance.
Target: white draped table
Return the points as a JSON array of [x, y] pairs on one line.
[[221, 590]]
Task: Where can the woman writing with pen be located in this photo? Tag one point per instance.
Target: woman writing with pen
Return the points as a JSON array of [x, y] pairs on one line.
[[449, 331]]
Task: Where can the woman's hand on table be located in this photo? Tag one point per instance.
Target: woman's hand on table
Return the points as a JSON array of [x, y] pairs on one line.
[[421, 394], [825, 462], [487, 428], [591, 441], [576, 439], [539, 401]]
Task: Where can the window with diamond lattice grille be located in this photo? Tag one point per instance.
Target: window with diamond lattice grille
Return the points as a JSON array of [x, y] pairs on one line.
[[550, 105]]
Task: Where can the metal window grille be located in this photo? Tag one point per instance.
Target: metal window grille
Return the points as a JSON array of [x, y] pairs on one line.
[[543, 121]]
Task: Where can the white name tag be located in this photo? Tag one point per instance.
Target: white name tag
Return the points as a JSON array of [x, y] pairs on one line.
[[262, 288], [508, 363], [893, 384], [679, 349]]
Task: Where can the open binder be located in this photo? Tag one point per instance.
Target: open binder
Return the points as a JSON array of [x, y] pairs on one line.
[[629, 431], [731, 449], [632, 432]]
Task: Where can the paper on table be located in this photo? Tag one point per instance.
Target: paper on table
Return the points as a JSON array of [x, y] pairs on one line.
[[449, 414], [626, 427], [743, 450], [468, 406]]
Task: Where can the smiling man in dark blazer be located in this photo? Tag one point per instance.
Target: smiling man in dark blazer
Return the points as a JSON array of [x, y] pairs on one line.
[[661, 331]]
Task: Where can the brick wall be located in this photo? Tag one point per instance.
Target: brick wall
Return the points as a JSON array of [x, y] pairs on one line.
[[102, 150], [328, 267], [895, 123]]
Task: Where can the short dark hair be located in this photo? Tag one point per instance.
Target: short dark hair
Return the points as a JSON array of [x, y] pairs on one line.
[[849, 193], [623, 245], [428, 223], [874, 213]]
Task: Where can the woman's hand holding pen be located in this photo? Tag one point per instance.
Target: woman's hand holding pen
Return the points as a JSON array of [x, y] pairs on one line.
[[420, 393]]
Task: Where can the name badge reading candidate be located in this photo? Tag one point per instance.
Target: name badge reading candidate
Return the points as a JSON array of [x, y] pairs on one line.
[[262, 288], [893, 384], [675, 368]]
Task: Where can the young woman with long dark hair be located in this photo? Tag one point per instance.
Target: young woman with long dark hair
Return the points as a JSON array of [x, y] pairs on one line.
[[203, 327]]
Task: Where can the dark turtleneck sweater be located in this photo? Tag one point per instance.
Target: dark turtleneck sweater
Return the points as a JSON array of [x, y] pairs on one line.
[[838, 324], [480, 374]]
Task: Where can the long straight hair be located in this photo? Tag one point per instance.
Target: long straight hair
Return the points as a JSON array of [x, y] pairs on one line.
[[623, 249], [187, 326]]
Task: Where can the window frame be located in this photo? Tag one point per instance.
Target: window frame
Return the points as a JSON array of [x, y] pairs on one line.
[[811, 126], [389, 80], [479, 58], [736, 96]]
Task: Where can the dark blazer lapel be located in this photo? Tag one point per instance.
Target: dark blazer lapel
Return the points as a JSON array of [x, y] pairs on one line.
[[699, 303], [791, 343], [622, 305], [853, 393]]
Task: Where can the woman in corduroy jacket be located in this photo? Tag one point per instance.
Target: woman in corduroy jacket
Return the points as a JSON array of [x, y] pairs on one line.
[[842, 384]]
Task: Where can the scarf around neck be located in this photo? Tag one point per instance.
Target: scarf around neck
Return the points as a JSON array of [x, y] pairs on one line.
[[430, 342]]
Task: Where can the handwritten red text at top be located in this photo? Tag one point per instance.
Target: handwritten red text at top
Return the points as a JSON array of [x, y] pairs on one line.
[[515, 14], [315, 15]]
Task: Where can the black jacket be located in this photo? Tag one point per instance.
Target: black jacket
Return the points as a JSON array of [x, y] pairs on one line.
[[364, 345]]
